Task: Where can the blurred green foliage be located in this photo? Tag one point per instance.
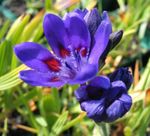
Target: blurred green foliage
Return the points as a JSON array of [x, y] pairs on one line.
[[50, 111]]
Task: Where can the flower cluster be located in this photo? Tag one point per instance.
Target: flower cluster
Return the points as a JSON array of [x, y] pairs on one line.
[[80, 42], [105, 98]]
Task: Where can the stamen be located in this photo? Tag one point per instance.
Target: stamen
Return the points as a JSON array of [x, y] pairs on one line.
[[83, 51]]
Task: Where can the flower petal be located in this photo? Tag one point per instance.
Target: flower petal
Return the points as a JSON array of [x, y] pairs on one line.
[[81, 94], [93, 19], [101, 39], [98, 87], [86, 73], [95, 109], [35, 78], [33, 55], [119, 108], [82, 13], [55, 34], [77, 12], [114, 111], [78, 32], [114, 39], [127, 100], [117, 88], [101, 82], [122, 74]]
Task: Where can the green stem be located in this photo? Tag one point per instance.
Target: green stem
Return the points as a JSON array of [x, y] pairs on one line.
[[5, 127], [74, 121]]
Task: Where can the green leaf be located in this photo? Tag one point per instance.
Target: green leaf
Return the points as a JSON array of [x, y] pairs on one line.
[[16, 37], [41, 121], [14, 26], [101, 129], [127, 131], [11, 79], [74, 121], [27, 96], [49, 109], [31, 27], [48, 4], [20, 27], [38, 33], [5, 127], [59, 124], [142, 122], [5, 56], [8, 99], [144, 79], [55, 94], [145, 42], [134, 116], [4, 29]]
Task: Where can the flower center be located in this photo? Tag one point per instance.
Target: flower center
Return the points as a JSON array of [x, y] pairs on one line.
[[94, 93], [70, 64], [73, 63]]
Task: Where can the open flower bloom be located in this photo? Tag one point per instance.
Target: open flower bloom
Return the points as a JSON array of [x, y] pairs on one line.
[[105, 98], [76, 50]]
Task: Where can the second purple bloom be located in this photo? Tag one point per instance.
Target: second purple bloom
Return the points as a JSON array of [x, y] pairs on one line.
[[106, 98]]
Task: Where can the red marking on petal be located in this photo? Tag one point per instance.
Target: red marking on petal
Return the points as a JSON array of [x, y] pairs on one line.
[[53, 64], [84, 52], [64, 52], [55, 79]]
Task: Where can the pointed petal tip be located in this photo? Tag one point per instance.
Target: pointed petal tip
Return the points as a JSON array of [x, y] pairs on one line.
[[104, 14], [119, 34], [121, 31]]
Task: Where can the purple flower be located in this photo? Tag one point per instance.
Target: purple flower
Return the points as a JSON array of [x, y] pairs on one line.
[[77, 49], [105, 99]]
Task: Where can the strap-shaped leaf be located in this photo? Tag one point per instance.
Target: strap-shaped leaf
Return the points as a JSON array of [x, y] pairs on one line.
[[145, 80], [11, 79], [59, 124]]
